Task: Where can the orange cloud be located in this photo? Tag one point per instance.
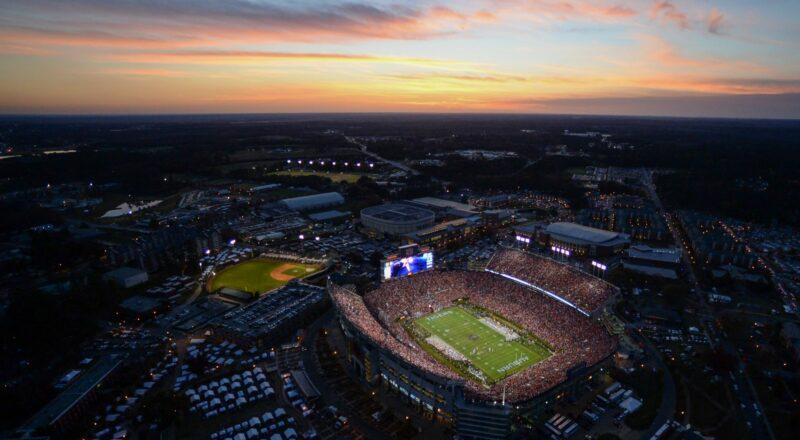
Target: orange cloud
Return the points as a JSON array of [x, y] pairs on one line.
[[665, 10], [568, 10], [242, 56], [207, 22]]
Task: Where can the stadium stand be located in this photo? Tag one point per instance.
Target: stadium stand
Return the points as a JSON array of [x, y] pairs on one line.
[[577, 341], [573, 287]]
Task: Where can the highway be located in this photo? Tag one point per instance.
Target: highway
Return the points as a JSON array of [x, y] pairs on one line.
[[363, 147]]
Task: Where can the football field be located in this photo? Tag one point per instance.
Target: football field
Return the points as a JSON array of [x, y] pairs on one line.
[[484, 347]]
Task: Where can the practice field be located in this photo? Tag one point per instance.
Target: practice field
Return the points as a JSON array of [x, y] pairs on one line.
[[334, 176], [260, 275], [483, 346]]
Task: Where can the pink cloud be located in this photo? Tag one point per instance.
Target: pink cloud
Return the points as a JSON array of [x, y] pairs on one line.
[[664, 10], [716, 22]]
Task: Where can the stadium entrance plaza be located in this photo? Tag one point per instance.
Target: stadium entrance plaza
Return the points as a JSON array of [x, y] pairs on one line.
[[386, 398]]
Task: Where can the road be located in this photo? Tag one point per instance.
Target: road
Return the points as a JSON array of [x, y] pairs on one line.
[[750, 406], [363, 147], [667, 408]]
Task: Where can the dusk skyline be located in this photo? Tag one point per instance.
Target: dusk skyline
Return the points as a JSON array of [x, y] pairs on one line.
[[647, 57]]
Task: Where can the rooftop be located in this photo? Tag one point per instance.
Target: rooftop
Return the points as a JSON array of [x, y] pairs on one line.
[[584, 233], [443, 203], [328, 198], [663, 255], [73, 394], [398, 212]]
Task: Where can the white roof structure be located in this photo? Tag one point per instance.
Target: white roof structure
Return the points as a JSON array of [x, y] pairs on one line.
[[315, 201], [660, 255], [585, 235], [630, 404]]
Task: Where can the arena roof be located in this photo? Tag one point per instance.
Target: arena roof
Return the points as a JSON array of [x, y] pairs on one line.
[[585, 234]]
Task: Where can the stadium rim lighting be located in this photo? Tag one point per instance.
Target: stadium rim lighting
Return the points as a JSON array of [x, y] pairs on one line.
[[539, 289]]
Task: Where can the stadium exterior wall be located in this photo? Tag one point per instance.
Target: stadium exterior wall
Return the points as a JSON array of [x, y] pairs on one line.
[[444, 399]]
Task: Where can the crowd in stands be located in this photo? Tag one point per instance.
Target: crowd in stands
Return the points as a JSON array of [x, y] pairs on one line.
[[583, 290], [574, 339]]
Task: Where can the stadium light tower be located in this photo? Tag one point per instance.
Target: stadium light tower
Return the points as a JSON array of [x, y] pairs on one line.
[[599, 268]]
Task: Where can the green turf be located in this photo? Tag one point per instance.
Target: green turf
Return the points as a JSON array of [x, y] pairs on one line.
[[334, 176], [253, 276], [485, 348]]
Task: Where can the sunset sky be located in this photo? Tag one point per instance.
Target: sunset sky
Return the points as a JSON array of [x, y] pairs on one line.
[[737, 58]]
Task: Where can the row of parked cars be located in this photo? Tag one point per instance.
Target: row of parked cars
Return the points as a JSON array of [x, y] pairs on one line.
[[272, 425], [230, 393], [294, 397]]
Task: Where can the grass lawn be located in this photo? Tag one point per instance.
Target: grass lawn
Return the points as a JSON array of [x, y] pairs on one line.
[[484, 347], [259, 275], [334, 176]]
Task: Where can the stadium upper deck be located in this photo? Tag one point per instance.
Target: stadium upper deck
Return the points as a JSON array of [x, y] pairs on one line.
[[567, 284]]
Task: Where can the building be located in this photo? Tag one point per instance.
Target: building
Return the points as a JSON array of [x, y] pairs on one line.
[[447, 233], [71, 405], [444, 208], [584, 241], [491, 202], [126, 277], [332, 216], [396, 218], [642, 223], [313, 202], [140, 306], [661, 262], [271, 318]]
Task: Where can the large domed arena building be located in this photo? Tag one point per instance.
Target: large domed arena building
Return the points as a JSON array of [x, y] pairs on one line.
[[476, 348]]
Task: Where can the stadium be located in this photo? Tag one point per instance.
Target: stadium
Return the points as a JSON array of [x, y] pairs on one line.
[[474, 348]]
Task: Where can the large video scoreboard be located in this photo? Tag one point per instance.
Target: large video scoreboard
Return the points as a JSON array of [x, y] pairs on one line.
[[410, 259]]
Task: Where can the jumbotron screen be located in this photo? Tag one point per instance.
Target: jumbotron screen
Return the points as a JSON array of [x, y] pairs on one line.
[[407, 265]]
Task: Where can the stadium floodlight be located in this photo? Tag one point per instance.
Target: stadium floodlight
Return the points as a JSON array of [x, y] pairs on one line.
[[346, 164], [311, 162], [322, 163], [288, 160], [372, 165], [358, 164], [300, 161], [334, 163]]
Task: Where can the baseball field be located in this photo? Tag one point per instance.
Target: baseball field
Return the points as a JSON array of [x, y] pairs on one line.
[[260, 275]]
